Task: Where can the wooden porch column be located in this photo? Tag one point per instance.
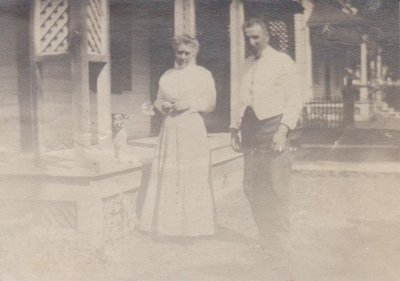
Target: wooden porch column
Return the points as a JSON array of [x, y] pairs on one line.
[[185, 17], [104, 85], [35, 81], [24, 98], [363, 106], [364, 69], [308, 9], [80, 76], [303, 54], [379, 64], [237, 50], [309, 63]]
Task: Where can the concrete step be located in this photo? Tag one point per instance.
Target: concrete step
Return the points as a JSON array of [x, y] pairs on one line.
[[221, 151], [220, 148], [383, 109], [384, 106], [386, 110], [395, 115], [350, 153], [391, 110], [381, 167], [392, 114]]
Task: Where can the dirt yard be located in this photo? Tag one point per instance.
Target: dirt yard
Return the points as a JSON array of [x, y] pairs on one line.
[[345, 227]]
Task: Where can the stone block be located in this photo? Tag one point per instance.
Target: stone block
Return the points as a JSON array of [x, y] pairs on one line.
[[93, 210]]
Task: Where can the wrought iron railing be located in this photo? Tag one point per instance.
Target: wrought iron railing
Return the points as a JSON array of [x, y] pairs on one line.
[[321, 113]]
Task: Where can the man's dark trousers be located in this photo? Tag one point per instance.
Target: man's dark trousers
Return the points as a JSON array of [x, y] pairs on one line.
[[266, 181]]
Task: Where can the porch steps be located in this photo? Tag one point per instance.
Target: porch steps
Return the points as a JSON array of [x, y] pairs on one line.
[[384, 110]]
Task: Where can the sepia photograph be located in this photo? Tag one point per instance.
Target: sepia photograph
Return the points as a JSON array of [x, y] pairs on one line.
[[199, 140]]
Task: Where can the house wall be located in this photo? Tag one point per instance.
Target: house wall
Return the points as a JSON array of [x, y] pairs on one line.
[[56, 114], [212, 21], [328, 66], [9, 110], [148, 54], [56, 98], [140, 53]]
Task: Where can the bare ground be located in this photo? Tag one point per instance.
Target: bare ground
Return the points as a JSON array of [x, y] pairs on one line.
[[345, 227]]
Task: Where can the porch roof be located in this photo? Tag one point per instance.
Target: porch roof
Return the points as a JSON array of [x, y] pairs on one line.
[[328, 13], [279, 6], [382, 25]]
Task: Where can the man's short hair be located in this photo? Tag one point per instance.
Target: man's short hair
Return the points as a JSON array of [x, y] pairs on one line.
[[256, 21], [186, 40]]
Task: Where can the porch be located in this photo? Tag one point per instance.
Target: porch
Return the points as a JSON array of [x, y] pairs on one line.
[[69, 64], [356, 42], [66, 178]]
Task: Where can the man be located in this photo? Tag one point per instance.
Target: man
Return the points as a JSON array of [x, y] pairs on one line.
[[269, 107]]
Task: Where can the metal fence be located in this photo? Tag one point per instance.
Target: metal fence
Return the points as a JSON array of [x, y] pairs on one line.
[[319, 113]]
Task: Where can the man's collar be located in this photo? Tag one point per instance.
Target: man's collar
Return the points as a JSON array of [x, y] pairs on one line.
[[190, 64], [264, 53]]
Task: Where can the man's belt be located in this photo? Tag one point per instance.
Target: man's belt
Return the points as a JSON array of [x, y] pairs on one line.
[[258, 133]]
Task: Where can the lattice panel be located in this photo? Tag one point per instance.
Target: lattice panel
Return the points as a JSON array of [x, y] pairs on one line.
[[279, 30], [52, 27], [56, 214], [96, 28]]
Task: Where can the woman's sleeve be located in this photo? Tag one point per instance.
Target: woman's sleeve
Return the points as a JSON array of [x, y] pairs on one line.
[[206, 95], [161, 98], [158, 102]]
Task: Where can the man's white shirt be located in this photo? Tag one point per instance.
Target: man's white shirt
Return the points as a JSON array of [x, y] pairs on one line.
[[271, 86]]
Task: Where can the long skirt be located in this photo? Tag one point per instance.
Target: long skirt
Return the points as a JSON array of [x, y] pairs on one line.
[[179, 199]]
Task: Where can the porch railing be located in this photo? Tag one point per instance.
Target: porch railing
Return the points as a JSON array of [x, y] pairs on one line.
[[320, 113]]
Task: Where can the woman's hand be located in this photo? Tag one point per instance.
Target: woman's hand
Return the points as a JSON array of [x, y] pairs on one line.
[[235, 140], [181, 105]]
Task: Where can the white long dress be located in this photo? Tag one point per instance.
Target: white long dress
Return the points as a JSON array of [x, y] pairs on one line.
[[179, 200]]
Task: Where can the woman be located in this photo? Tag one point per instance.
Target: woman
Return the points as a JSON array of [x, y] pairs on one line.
[[179, 199]]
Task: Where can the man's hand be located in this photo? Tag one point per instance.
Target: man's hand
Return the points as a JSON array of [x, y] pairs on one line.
[[181, 105], [279, 138], [166, 106], [235, 140]]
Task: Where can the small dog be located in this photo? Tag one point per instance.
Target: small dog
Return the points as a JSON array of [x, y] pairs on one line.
[[119, 134]]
